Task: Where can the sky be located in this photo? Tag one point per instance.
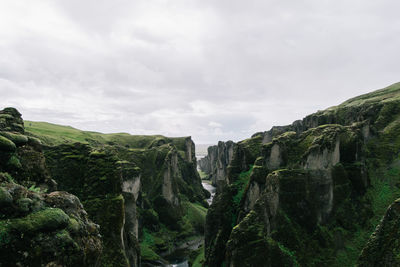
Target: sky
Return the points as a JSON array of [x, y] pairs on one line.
[[213, 70]]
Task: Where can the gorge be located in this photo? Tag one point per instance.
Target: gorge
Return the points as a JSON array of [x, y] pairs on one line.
[[319, 192]]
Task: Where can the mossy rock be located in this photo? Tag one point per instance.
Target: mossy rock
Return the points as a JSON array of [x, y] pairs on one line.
[[49, 219], [24, 204], [250, 246], [5, 197], [14, 163], [17, 139], [7, 145]]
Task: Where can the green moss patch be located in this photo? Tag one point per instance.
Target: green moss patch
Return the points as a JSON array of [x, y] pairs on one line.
[[7, 145], [49, 219]]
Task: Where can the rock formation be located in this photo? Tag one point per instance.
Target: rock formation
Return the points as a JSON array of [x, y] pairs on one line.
[[142, 190], [38, 226], [307, 193], [135, 198], [216, 162]]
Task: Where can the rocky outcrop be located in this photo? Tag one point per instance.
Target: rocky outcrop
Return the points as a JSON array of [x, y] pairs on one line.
[[303, 194], [38, 226]]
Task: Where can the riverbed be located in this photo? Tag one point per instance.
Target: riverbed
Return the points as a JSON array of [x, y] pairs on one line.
[[212, 190]]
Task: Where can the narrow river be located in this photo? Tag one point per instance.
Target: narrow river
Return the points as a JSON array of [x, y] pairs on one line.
[[212, 190], [207, 186]]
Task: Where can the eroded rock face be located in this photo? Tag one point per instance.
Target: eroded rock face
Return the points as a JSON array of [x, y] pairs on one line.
[[216, 162], [297, 194], [169, 189], [109, 189]]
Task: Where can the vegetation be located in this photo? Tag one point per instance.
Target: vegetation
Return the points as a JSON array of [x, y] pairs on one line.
[[54, 134], [354, 145]]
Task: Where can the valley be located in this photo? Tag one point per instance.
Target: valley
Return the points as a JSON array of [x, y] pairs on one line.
[[321, 191]]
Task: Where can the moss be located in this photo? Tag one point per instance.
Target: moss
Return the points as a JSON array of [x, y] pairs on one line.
[[250, 246], [7, 145], [24, 204], [147, 254], [45, 220], [73, 226], [14, 163], [35, 189], [6, 177], [240, 185], [202, 174], [197, 258], [251, 148], [196, 216], [5, 237], [5, 197], [17, 139], [109, 214]]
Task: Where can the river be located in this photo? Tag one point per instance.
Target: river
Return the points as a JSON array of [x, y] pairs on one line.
[[212, 191], [207, 186]]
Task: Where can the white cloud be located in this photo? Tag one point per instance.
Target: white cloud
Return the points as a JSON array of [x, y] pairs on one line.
[[214, 124], [216, 70]]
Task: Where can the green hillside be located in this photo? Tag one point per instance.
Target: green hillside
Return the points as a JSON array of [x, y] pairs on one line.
[[53, 134]]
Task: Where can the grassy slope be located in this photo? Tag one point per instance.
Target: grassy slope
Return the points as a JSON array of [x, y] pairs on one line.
[[53, 134]]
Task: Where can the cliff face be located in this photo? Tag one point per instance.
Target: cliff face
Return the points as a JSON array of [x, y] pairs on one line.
[[216, 162], [141, 196], [309, 193], [38, 226], [108, 189], [143, 191]]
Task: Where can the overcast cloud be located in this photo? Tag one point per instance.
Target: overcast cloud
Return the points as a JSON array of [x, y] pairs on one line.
[[215, 70]]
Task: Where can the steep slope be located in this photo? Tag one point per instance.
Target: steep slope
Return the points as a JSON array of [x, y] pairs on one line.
[[312, 192], [139, 189], [383, 247]]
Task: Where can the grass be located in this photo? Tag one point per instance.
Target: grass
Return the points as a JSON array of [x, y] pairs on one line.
[[240, 184], [391, 92], [195, 217], [382, 193], [54, 134], [199, 260], [202, 174], [146, 246]]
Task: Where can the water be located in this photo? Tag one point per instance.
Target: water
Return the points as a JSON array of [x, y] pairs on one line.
[[210, 189], [180, 264]]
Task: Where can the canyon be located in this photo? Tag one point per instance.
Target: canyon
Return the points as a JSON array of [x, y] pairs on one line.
[[320, 192]]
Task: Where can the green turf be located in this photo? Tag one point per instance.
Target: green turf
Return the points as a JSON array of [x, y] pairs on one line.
[[53, 134]]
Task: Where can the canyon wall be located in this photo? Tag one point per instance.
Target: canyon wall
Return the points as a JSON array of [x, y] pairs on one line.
[[309, 193], [136, 199]]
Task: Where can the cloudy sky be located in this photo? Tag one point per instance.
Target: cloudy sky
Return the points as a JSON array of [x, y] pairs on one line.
[[212, 69]]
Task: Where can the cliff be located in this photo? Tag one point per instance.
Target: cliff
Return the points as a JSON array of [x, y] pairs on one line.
[[38, 226], [216, 162], [143, 191], [309, 193], [136, 199]]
